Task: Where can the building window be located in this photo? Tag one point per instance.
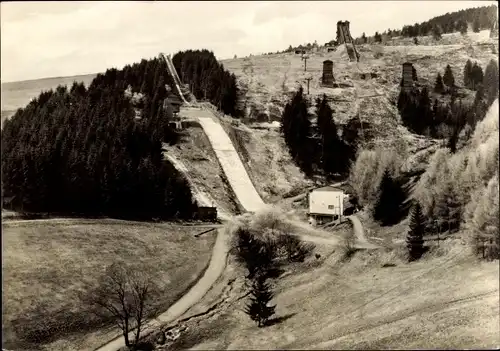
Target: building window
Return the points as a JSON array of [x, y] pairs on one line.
[[330, 207]]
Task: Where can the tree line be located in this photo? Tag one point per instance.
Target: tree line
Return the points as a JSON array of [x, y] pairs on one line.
[[208, 80], [315, 147], [84, 151], [478, 18]]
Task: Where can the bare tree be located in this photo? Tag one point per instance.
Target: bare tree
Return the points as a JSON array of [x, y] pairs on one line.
[[122, 294]]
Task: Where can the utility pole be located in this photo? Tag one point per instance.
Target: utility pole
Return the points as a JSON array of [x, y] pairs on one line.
[[308, 81], [305, 57]]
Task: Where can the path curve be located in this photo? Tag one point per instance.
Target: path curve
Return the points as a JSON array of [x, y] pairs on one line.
[[213, 272], [359, 233]]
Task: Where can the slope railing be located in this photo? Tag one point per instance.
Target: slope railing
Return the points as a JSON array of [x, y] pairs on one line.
[[173, 73]]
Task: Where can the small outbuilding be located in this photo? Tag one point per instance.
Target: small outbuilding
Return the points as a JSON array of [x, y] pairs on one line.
[[174, 101], [326, 204]]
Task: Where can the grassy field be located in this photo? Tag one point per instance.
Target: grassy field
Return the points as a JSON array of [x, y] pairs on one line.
[[45, 264], [374, 300]]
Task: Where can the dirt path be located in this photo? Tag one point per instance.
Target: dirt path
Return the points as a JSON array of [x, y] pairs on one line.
[[359, 233], [213, 272]]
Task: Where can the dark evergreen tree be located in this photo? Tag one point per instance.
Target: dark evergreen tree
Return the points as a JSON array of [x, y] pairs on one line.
[[448, 78], [255, 254], [462, 27], [467, 73], [422, 117], [377, 37], [490, 82], [334, 156], [259, 309], [453, 139], [391, 196], [363, 38], [415, 236], [296, 129], [476, 26], [439, 86], [437, 32], [476, 76]]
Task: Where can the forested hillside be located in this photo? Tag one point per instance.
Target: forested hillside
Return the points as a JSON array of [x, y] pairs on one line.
[[96, 151], [208, 80], [479, 18]]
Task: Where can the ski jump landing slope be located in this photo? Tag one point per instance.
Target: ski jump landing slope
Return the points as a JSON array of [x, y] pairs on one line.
[[229, 159]]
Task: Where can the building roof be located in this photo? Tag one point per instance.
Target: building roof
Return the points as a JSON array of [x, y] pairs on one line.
[[328, 188]]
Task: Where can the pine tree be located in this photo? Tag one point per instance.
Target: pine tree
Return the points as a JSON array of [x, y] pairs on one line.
[[296, 129], [467, 73], [439, 86], [390, 198], [476, 26], [258, 309], [332, 159], [452, 141], [476, 76], [462, 27], [490, 82], [437, 32], [448, 78], [415, 236], [363, 38]]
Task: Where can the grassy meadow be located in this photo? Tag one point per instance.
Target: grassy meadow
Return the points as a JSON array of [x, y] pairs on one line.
[[46, 264]]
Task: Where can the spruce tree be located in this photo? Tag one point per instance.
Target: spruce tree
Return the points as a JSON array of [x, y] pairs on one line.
[[332, 159], [439, 86], [476, 26], [463, 27], [467, 73], [390, 198], [363, 38], [448, 78], [490, 82], [415, 236], [296, 129], [258, 309], [437, 32], [476, 76]]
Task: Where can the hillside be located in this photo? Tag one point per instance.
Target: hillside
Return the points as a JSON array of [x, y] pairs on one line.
[[269, 79]]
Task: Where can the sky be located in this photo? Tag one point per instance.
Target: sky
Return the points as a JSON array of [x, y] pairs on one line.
[[51, 39]]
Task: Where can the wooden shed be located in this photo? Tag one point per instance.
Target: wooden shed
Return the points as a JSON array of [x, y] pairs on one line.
[[206, 213]]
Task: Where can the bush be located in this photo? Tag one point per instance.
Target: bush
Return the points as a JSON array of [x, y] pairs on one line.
[[265, 240], [295, 249], [347, 246]]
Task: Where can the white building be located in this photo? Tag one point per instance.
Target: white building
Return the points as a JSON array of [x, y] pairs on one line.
[[326, 204]]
